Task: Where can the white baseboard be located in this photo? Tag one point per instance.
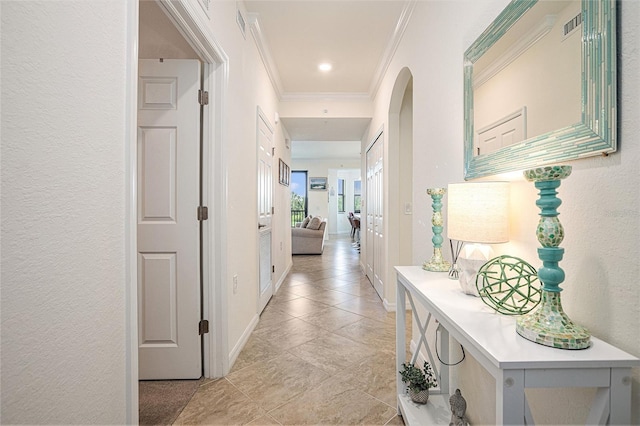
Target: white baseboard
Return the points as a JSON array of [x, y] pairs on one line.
[[235, 352], [282, 278], [233, 355], [389, 307]]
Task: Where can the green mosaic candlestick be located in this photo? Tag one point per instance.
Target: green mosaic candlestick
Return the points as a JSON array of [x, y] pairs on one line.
[[549, 325], [436, 263]]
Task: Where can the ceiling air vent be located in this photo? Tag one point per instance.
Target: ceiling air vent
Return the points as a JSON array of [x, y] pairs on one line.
[[571, 26]]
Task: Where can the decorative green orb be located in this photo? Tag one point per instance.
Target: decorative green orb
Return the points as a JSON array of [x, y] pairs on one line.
[[509, 285]]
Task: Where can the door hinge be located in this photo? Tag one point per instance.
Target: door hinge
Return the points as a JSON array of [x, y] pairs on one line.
[[273, 210], [203, 97], [273, 151], [203, 213], [203, 327], [273, 268]]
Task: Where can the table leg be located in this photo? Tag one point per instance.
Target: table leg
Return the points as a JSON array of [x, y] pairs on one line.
[[401, 343], [510, 398], [620, 402], [444, 355]]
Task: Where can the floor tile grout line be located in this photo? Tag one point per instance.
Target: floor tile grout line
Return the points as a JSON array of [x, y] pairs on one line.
[[249, 398], [355, 280]]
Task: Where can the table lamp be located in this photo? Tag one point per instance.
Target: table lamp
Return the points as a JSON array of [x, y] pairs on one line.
[[477, 215]]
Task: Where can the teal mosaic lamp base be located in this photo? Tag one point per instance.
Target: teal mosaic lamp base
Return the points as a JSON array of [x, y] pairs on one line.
[[436, 263], [549, 325]]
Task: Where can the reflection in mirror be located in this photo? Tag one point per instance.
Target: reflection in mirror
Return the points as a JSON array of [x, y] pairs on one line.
[[533, 71], [533, 93]]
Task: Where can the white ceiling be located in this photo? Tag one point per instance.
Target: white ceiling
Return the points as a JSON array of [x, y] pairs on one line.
[[357, 37]]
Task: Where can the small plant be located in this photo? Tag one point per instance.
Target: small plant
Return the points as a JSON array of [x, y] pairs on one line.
[[417, 379]]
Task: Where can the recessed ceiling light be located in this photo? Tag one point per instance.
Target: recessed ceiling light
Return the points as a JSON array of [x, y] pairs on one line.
[[325, 66]]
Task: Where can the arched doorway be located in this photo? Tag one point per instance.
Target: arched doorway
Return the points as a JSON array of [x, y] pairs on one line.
[[400, 182]]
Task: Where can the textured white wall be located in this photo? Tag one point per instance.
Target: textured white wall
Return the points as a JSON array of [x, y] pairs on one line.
[[247, 88], [600, 200], [63, 212]]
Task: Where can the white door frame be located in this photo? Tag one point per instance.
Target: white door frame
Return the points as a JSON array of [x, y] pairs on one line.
[[192, 25]]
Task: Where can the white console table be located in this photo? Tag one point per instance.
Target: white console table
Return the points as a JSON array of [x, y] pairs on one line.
[[513, 361]]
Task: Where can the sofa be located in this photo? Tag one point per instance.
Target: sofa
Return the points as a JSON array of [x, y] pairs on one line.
[[306, 240]]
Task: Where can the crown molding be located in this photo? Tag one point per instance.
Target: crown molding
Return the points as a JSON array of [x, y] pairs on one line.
[[381, 69], [519, 47], [265, 53], [394, 42]]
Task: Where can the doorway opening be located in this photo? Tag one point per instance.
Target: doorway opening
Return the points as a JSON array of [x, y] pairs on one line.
[[184, 34], [299, 199]]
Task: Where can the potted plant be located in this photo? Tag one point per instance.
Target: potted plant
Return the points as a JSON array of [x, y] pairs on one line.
[[419, 381]]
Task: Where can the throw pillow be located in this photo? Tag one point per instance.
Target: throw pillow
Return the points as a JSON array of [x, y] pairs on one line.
[[305, 222], [315, 223]]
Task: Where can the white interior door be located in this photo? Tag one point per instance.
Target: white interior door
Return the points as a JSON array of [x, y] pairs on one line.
[[375, 222], [369, 201], [168, 227], [265, 208], [509, 130]]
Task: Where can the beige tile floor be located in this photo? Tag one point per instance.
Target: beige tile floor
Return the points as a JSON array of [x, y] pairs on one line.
[[322, 353]]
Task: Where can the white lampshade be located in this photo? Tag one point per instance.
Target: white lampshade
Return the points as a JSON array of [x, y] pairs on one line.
[[478, 212]]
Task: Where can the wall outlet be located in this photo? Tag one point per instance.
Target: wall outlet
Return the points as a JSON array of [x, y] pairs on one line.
[[235, 283]]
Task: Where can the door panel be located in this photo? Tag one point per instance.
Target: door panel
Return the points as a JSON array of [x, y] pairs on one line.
[[168, 228], [265, 208], [375, 219], [158, 284], [370, 202], [378, 231], [157, 147]]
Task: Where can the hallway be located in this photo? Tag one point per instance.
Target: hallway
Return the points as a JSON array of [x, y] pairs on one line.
[[322, 353]]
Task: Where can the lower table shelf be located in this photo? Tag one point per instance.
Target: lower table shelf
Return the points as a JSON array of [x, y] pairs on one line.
[[434, 412]]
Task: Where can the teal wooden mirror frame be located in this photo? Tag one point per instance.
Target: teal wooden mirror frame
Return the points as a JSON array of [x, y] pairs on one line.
[[594, 135]]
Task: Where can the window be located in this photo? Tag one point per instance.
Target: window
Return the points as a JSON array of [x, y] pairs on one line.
[[340, 195], [357, 196], [298, 196]]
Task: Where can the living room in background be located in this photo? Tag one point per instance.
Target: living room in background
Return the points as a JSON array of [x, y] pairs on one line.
[[299, 201]]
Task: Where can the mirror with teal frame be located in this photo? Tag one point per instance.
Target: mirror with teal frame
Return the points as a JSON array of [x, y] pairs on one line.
[[595, 127]]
